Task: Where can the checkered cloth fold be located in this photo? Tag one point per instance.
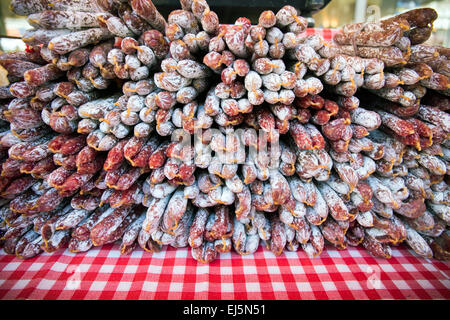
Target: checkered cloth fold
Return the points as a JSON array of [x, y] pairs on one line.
[[102, 273], [327, 34]]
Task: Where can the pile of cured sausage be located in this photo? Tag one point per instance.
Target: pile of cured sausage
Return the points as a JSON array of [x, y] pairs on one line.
[[121, 125]]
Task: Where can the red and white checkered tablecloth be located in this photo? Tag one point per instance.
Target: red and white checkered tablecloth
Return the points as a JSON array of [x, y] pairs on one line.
[[327, 34], [102, 273]]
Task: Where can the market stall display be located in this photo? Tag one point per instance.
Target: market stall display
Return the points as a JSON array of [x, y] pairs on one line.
[[297, 141]]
